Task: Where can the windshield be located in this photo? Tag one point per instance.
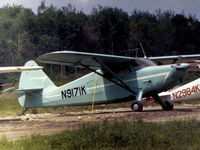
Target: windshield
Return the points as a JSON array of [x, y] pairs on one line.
[[139, 63]]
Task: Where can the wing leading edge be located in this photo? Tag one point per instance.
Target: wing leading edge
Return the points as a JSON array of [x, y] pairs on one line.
[[19, 69]]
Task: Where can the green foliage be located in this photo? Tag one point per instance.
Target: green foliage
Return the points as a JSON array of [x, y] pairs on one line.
[[112, 26], [25, 35], [138, 135]]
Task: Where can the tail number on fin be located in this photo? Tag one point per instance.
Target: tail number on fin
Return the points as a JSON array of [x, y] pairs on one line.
[[73, 92]]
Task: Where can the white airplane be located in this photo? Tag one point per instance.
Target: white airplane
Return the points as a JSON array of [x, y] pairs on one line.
[[189, 91]]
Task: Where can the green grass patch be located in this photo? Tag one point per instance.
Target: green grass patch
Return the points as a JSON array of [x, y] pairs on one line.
[[183, 135], [9, 106]]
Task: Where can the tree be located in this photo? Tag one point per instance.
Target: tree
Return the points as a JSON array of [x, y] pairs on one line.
[[143, 29], [112, 27]]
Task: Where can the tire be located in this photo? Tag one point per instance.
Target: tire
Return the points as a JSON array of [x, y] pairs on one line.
[[169, 105], [137, 106]]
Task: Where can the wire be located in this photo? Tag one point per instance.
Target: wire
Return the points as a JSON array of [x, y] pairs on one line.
[[95, 84]]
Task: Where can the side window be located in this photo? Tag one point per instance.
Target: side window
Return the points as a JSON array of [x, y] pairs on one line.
[[125, 70], [135, 65], [119, 69]]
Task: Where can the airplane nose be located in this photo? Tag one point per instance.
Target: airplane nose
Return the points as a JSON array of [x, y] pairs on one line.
[[180, 71], [183, 66]]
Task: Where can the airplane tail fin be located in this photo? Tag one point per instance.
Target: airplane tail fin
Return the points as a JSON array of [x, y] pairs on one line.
[[31, 86]]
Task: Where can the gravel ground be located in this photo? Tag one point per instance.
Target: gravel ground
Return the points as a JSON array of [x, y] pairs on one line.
[[45, 124]]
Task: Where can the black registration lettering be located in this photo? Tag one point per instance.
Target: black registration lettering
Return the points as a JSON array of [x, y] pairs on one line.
[[83, 90], [73, 92], [64, 95], [69, 93]]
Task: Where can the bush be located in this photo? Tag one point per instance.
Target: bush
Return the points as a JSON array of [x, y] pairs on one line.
[[138, 135]]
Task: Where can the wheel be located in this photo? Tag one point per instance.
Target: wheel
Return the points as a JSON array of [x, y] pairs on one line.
[[137, 106], [169, 105]]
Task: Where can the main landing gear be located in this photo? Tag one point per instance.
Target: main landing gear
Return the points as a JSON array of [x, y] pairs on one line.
[[166, 105], [137, 106]]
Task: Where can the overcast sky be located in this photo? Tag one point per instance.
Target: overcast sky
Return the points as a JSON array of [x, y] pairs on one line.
[[179, 6]]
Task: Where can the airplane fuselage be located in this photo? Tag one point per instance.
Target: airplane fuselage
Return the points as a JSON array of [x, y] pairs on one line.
[[152, 79]]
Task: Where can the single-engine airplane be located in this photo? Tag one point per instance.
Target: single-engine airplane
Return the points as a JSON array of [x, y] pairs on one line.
[[113, 79]]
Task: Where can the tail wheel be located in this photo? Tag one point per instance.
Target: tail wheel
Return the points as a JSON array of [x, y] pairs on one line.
[[168, 105], [137, 106]]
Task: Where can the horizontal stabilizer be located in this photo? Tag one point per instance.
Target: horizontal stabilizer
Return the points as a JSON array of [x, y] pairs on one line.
[[21, 92], [9, 90]]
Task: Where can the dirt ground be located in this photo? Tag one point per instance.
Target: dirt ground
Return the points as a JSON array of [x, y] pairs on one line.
[[44, 124]]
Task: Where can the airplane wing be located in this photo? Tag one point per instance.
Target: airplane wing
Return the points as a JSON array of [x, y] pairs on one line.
[[91, 61], [193, 60], [75, 59], [175, 59], [19, 69]]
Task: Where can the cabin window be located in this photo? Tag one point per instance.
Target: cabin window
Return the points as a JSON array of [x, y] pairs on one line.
[[125, 70], [119, 69]]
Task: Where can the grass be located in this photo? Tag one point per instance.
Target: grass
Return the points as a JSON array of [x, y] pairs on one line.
[[9, 106], [184, 135]]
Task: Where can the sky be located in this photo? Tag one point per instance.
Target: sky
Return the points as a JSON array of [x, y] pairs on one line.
[[178, 6]]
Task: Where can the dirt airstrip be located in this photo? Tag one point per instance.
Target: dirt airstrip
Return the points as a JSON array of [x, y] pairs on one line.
[[44, 124]]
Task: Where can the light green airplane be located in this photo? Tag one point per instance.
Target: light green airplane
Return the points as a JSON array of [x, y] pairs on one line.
[[113, 79]]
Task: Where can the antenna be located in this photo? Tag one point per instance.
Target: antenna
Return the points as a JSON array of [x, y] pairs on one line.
[[143, 50], [130, 51]]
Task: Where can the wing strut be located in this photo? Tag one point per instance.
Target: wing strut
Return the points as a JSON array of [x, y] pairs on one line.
[[120, 83]]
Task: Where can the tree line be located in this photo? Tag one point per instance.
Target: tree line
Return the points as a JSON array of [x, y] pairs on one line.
[[25, 35]]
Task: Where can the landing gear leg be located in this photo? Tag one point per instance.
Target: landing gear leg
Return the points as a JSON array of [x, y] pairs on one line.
[[23, 112], [137, 105], [166, 105]]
